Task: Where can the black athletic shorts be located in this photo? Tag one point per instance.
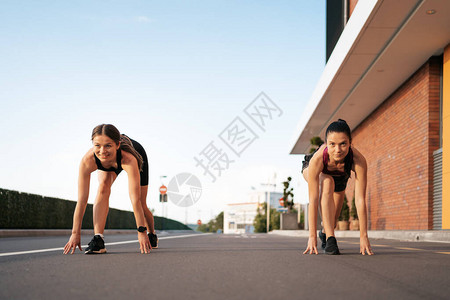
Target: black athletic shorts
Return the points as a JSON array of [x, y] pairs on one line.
[[305, 162], [144, 172], [340, 182]]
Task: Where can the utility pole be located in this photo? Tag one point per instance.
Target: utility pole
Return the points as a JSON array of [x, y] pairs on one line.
[[162, 198], [268, 204]]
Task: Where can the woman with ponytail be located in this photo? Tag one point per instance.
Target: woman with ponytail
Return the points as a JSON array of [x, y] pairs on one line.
[[327, 172], [112, 152]]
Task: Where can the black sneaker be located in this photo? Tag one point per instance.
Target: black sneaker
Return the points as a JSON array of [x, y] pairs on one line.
[[323, 238], [153, 240], [96, 246], [331, 247]]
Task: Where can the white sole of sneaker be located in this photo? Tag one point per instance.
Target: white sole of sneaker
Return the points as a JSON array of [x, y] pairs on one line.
[[101, 251]]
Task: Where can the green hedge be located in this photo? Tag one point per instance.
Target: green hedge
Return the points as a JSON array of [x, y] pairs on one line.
[[28, 211]]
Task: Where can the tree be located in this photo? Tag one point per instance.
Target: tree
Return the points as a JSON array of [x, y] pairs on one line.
[[316, 142], [302, 219], [213, 225], [260, 221], [288, 193], [203, 228], [354, 212], [345, 213], [274, 219]]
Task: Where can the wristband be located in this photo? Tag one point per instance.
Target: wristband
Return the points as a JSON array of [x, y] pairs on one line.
[[142, 229]]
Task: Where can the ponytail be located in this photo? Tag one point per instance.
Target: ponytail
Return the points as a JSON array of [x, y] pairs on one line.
[[339, 126], [127, 145]]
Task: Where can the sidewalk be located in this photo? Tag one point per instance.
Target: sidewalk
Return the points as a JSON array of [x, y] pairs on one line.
[[441, 236]]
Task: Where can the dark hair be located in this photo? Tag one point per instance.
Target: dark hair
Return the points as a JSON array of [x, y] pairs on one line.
[[125, 143], [339, 126]]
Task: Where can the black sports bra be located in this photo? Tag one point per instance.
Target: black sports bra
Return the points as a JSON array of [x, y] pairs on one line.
[[112, 169]]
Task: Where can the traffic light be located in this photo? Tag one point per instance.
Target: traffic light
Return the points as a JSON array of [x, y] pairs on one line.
[[162, 197]]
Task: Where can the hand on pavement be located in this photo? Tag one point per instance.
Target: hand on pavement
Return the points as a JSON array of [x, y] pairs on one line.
[[72, 244], [312, 246], [144, 242]]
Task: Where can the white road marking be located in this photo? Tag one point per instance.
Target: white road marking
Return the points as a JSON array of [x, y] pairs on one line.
[[106, 244], [31, 251]]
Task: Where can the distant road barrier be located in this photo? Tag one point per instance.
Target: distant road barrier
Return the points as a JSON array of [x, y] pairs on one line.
[[29, 211]]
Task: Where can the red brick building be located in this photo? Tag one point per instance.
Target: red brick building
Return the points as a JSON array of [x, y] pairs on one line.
[[387, 74]]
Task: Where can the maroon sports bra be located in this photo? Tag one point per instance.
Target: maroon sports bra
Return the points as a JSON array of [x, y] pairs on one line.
[[348, 160]]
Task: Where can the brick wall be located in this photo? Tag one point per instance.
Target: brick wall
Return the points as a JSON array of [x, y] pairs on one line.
[[398, 140]]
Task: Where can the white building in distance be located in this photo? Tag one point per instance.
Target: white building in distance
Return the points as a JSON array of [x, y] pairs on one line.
[[239, 217]]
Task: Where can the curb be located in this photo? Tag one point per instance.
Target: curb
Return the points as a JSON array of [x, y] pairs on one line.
[[401, 235]]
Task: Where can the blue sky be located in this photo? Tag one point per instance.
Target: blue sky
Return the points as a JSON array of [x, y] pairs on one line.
[[170, 74]]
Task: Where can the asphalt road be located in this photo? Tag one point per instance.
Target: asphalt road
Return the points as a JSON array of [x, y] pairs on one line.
[[214, 266]]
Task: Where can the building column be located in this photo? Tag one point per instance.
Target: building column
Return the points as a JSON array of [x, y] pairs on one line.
[[446, 140]]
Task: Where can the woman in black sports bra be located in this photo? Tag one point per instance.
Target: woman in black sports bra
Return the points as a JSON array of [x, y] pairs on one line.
[[327, 172], [112, 153]]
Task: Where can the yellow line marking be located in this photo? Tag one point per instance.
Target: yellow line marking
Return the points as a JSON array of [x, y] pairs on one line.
[[399, 248], [345, 242], [405, 248], [373, 245]]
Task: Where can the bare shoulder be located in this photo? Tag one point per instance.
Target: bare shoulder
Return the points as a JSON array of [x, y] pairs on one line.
[[358, 158], [316, 160], [128, 159], [319, 153], [88, 161]]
